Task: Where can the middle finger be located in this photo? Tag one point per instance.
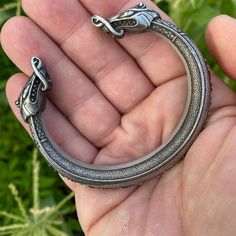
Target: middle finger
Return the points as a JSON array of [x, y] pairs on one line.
[[100, 57]]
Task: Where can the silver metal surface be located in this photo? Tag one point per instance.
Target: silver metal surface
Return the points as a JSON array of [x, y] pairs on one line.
[[32, 100], [136, 19]]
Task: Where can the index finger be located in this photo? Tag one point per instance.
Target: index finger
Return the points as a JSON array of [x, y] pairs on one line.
[[154, 55]]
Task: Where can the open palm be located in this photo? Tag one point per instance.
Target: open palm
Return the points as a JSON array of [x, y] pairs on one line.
[[114, 99]]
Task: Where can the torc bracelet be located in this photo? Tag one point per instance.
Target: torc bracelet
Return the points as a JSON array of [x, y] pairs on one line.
[[137, 19]]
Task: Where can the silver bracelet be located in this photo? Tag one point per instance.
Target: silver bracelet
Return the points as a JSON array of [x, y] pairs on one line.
[[137, 19]]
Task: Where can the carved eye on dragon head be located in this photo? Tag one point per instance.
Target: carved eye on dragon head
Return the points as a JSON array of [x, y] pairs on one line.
[[32, 99], [135, 19]]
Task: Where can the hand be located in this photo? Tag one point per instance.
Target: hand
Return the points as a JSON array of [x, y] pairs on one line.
[[123, 99]]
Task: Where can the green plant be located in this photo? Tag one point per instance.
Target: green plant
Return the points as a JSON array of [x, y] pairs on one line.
[[7, 8], [190, 15], [36, 221], [15, 164], [193, 16]]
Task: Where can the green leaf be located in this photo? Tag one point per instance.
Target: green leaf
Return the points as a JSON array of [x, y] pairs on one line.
[[228, 8], [201, 18], [55, 232], [5, 13]]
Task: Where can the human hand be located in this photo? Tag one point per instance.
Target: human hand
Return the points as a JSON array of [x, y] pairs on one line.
[[98, 112]]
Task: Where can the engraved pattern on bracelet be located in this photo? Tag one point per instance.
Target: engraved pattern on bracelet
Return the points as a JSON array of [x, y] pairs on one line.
[[137, 19]]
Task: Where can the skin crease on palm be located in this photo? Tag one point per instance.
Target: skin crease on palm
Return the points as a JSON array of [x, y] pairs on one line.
[[98, 111]]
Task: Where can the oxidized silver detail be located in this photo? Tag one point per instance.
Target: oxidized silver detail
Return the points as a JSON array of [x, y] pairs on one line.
[[165, 156], [136, 19], [32, 99]]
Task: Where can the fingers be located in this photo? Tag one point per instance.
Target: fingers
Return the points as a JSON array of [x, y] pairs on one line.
[[153, 54], [99, 56], [220, 38], [72, 92], [55, 122], [222, 95], [221, 42]]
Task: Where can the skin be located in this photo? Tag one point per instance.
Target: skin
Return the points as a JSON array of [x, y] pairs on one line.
[[93, 84]]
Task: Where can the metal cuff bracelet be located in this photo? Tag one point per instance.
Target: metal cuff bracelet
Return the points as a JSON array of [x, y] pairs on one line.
[[137, 19]]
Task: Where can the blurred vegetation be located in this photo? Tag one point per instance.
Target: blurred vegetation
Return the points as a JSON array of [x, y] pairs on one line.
[[16, 147], [192, 16], [37, 220], [16, 170]]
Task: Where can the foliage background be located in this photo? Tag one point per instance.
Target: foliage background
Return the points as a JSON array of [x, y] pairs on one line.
[[16, 146], [16, 149]]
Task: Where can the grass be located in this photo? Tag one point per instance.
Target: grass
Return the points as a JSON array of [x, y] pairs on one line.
[[192, 16], [17, 187], [36, 220], [36, 202]]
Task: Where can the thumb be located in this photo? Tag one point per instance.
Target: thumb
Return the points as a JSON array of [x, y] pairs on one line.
[[221, 41]]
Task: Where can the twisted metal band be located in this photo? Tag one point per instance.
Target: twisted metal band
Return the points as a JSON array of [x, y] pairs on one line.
[[136, 19]]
